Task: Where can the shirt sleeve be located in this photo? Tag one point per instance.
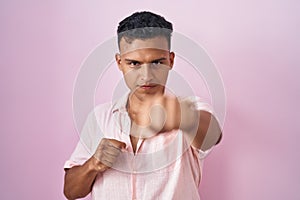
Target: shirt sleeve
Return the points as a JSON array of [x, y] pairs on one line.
[[87, 144], [201, 154]]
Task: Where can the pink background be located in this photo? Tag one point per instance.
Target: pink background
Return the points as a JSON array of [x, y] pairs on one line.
[[255, 45]]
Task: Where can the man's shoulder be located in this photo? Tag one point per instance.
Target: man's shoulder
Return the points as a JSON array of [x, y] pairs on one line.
[[109, 108], [103, 107], [102, 111]]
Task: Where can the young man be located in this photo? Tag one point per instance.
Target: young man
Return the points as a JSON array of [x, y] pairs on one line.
[[148, 144]]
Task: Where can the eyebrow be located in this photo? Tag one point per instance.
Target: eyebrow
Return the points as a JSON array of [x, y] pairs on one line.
[[156, 60]]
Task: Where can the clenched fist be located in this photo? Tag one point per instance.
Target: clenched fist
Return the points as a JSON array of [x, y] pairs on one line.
[[164, 113], [107, 152]]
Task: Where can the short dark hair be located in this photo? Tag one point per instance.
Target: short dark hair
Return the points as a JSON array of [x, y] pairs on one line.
[[144, 25]]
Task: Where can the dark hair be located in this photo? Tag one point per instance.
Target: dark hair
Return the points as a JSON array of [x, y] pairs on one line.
[[144, 25]]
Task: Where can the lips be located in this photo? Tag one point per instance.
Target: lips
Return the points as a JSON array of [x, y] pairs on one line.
[[148, 86]]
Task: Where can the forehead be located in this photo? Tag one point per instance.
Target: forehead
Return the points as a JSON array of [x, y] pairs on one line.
[[145, 55], [159, 43]]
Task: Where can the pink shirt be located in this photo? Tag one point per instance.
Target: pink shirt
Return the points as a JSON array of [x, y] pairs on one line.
[[163, 167]]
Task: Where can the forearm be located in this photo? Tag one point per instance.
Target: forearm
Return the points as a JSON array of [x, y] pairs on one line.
[[207, 133], [79, 179]]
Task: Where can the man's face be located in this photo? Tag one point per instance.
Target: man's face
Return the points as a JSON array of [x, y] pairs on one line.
[[145, 64]]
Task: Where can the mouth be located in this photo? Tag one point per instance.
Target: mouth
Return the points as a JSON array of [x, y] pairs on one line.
[[148, 86]]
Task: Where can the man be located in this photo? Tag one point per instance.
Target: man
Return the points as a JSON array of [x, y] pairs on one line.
[[149, 144]]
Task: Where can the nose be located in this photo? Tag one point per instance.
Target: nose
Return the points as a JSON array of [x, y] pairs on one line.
[[146, 73]]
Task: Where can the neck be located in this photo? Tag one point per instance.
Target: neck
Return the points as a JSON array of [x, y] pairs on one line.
[[137, 103]]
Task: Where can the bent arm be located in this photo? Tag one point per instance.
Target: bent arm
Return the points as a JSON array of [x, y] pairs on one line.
[[79, 180]]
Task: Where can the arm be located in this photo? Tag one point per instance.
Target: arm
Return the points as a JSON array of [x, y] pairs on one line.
[[208, 132], [167, 113], [79, 180], [201, 128]]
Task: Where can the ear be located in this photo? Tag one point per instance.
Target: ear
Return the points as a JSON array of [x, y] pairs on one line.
[[118, 60], [172, 57]]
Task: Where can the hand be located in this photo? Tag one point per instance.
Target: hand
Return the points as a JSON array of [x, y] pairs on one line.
[[157, 114], [189, 113], [107, 152], [165, 113]]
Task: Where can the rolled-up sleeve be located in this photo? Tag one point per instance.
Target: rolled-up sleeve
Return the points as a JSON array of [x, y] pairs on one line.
[[86, 146]]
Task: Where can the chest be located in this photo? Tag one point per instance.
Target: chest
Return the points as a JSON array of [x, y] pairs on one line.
[[134, 142]]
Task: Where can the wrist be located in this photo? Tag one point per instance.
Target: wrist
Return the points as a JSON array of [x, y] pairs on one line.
[[95, 165]]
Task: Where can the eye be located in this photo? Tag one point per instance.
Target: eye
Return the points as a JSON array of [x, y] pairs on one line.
[[134, 64], [157, 62]]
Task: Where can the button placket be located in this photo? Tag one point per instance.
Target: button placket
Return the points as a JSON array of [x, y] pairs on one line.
[[133, 176]]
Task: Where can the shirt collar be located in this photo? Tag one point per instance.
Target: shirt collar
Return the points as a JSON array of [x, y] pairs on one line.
[[119, 105]]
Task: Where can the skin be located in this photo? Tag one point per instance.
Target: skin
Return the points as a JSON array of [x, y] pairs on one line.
[[145, 65]]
